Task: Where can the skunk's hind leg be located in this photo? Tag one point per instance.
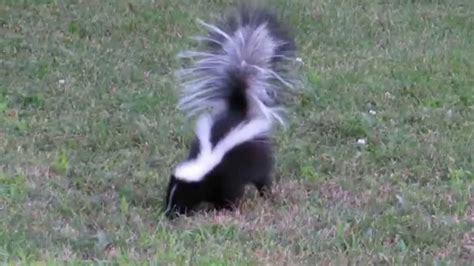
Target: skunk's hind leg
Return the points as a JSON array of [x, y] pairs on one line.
[[229, 198], [263, 185]]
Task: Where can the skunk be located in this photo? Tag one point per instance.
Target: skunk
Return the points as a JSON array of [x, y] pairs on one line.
[[235, 87]]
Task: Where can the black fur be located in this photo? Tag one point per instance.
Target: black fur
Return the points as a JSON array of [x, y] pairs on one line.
[[249, 163]]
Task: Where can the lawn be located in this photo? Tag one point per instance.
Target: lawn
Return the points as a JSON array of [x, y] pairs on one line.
[[375, 167]]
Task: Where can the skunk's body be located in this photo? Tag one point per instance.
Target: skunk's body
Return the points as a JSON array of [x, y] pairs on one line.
[[240, 77]]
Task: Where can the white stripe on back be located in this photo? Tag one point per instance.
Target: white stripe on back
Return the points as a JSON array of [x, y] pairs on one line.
[[196, 169]]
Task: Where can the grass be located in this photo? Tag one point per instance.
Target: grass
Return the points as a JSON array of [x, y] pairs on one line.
[[89, 132]]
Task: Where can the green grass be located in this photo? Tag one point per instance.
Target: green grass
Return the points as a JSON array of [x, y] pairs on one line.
[[89, 132]]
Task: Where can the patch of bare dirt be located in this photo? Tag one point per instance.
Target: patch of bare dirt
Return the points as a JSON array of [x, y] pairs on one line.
[[334, 194], [467, 246]]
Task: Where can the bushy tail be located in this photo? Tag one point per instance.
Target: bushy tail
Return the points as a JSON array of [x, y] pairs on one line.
[[243, 66]]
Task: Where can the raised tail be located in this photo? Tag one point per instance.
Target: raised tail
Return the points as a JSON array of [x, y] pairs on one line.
[[243, 66]]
